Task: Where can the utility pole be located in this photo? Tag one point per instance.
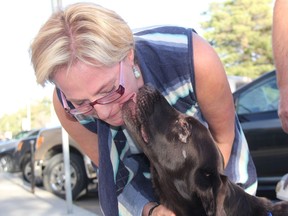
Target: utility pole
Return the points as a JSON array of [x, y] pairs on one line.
[[29, 115], [57, 5]]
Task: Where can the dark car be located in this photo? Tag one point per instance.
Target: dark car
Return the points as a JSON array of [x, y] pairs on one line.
[[7, 149], [256, 106], [22, 155]]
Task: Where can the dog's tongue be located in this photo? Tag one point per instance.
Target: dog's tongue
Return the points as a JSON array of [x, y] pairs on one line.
[[144, 134]]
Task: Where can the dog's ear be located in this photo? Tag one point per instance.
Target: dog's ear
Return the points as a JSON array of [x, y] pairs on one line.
[[208, 201], [212, 192], [181, 187], [220, 196]]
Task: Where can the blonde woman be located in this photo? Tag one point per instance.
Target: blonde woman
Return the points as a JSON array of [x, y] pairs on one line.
[[97, 64]]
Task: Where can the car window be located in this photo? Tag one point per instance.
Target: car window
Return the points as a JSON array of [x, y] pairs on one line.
[[21, 134], [26, 134], [261, 97]]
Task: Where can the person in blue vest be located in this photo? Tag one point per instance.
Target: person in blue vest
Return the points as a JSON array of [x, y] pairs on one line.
[[97, 63], [280, 53]]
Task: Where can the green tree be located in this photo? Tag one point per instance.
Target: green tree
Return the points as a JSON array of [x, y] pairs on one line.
[[240, 32], [40, 116]]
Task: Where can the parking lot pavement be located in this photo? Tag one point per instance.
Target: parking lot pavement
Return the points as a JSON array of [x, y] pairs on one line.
[[17, 199]]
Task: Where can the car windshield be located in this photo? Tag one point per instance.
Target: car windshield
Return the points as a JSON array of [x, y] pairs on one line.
[[24, 134], [21, 134]]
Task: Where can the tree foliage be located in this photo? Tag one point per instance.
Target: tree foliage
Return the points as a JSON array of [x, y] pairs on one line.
[[40, 116], [240, 32]]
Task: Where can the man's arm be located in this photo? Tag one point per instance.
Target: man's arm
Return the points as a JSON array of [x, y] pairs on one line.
[[280, 52]]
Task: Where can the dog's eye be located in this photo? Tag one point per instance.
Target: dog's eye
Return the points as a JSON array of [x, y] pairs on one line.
[[207, 174], [204, 178]]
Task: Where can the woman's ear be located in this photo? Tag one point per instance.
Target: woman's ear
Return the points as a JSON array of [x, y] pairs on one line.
[[130, 57]]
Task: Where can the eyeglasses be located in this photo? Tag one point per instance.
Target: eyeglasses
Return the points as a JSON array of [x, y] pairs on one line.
[[107, 99]]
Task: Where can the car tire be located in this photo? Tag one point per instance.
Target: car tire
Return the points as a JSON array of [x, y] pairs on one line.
[[6, 163], [27, 171], [54, 175]]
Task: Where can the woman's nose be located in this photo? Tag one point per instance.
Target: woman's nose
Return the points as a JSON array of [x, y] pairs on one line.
[[103, 111]]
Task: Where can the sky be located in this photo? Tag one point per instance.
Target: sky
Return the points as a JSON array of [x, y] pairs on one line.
[[20, 20]]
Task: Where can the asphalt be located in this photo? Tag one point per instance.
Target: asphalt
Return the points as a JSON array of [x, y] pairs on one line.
[[16, 198]]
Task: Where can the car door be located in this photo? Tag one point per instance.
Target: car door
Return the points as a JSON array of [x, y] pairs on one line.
[[256, 106]]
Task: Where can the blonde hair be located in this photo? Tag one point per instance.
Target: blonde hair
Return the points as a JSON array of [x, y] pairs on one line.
[[83, 32]]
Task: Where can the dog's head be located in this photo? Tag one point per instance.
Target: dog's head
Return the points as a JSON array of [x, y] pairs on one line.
[[176, 143]]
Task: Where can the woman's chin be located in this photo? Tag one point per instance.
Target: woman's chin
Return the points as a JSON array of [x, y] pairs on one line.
[[116, 122]]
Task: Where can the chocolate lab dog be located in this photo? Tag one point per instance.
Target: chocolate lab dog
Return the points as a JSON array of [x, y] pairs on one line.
[[186, 165]]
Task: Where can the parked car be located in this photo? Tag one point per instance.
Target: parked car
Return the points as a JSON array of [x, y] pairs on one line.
[[22, 156], [49, 164], [7, 149], [256, 106]]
